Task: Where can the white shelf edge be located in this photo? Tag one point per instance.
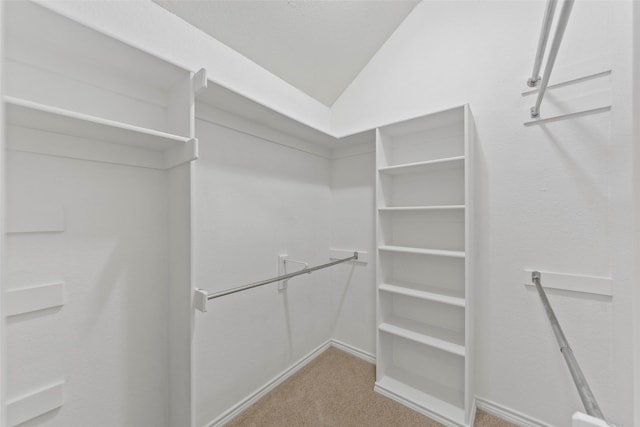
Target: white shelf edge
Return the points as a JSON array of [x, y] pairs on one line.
[[30, 217], [13, 101], [423, 339], [111, 141], [399, 168], [34, 298], [418, 251], [421, 208], [430, 296], [35, 403], [434, 408]]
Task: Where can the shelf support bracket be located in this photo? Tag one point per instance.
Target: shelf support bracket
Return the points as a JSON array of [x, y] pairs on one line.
[[200, 81]]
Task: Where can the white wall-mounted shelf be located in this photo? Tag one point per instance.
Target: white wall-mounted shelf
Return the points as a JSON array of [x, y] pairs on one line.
[[420, 208], [171, 150], [429, 293], [33, 298], [419, 251], [433, 336], [407, 168], [28, 216], [35, 403]]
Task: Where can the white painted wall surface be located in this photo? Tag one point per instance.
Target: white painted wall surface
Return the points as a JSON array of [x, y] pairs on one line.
[[555, 197], [2, 227], [636, 181], [255, 199], [109, 341], [353, 227], [146, 25]]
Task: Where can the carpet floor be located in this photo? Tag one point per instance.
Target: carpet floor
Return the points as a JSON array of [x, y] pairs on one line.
[[336, 389]]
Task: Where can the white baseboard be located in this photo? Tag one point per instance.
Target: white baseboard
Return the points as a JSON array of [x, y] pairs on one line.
[[473, 413], [482, 404], [367, 357], [508, 414], [411, 405], [244, 404]]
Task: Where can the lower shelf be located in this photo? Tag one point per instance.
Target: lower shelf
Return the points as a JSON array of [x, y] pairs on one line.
[[426, 292], [395, 384], [433, 336]]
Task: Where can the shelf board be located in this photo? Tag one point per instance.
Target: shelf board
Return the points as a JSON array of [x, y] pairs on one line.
[[420, 251], [425, 292], [110, 141], [51, 119], [420, 208], [407, 168], [432, 336], [395, 385]]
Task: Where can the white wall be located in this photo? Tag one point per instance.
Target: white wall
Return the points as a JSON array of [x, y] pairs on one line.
[[636, 181], [255, 199], [554, 197], [146, 25], [2, 221], [353, 227], [109, 341]]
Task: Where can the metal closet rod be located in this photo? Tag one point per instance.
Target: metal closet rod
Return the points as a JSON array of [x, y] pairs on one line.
[[586, 395], [563, 19], [306, 270], [542, 42]]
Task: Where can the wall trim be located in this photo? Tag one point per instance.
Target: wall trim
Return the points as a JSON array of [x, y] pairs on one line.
[[354, 351], [508, 414]]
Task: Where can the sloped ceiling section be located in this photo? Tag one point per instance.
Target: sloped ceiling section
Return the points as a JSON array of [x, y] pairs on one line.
[[318, 46]]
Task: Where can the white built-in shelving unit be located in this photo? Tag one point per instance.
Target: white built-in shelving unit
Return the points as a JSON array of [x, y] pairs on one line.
[[424, 269], [74, 98]]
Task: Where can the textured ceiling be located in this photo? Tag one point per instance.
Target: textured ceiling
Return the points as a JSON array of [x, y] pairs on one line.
[[318, 46]]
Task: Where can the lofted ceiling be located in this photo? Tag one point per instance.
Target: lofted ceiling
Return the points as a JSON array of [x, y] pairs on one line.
[[318, 46]]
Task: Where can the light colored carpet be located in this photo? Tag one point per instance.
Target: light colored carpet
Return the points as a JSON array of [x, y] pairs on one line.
[[336, 389]]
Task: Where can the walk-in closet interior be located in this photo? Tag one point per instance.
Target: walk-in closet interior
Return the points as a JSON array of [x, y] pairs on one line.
[[206, 202]]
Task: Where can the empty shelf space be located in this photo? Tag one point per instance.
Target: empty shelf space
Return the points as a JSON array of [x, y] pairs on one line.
[[34, 115], [419, 251], [407, 168], [394, 384], [426, 292], [420, 208], [433, 336]]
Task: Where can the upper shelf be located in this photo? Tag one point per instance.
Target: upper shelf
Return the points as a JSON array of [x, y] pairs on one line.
[[421, 208], [41, 117], [407, 168], [420, 251], [51, 119]]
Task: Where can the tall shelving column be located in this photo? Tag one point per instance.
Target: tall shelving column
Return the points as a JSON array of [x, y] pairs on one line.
[[424, 268]]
